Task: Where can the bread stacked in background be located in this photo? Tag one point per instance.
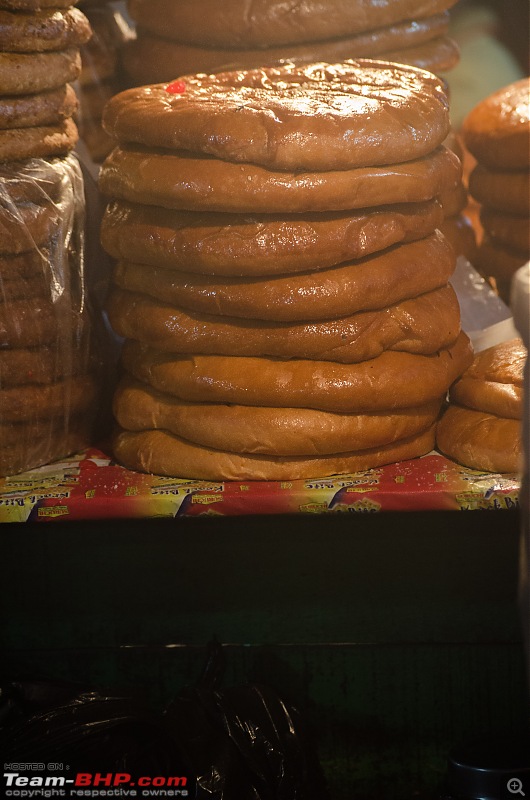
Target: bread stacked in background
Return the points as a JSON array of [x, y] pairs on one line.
[[497, 134], [48, 383], [100, 76], [482, 425], [176, 37], [39, 59], [280, 284]]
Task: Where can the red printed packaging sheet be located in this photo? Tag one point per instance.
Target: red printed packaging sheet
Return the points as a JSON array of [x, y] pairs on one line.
[[92, 486]]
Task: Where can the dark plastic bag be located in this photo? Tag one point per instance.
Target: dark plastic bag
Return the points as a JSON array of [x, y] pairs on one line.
[[241, 743]]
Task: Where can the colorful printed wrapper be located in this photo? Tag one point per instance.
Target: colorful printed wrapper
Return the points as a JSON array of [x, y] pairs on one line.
[[92, 486]]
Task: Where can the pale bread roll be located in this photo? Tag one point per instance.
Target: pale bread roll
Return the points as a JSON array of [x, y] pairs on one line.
[[269, 431], [494, 381], [480, 440], [266, 244], [392, 380], [376, 281], [424, 325], [162, 453]]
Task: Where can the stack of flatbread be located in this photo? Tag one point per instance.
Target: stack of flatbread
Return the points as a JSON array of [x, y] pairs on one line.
[[176, 37], [281, 285], [497, 133]]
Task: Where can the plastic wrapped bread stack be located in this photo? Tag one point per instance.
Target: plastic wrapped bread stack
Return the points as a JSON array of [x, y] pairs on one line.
[[281, 285], [49, 368], [482, 425], [49, 362], [497, 134], [39, 59], [176, 37], [100, 76]]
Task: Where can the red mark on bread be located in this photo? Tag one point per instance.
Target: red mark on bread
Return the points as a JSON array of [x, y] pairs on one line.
[[176, 87]]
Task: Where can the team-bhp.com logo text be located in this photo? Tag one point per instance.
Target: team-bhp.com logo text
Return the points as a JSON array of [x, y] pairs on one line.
[[93, 784]]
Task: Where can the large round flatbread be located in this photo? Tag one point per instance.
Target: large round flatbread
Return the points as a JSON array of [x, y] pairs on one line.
[[38, 142], [507, 230], [28, 73], [53, 29], [63, 398], [497, 130], [150, 58], [422, 325], [501, 190], [44, 108], [479, 440], [376, 281], [162, 453], [312, 117], [236, 24], [188, 182], [267, 431], [494, 381], [392, 380], [252, 245]]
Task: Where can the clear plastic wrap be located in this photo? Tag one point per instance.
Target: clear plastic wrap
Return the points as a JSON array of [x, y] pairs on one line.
[[100, 75], [51, 349]]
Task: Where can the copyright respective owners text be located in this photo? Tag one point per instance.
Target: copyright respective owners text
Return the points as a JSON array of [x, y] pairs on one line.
[[58, 780]]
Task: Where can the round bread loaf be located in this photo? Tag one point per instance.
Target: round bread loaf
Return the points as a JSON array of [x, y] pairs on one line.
[[29, 73], [314, 117], [495, 261], [18, 288], [422, 325], [31, 450], [32, 263], [64, 398], [35, 366], [504, 191], [268, 431], [494, 381], [236, 24], [45, 108], [38, 142], [165, 454], [155, 59], [251, 245], [376, 281], [479, 440], [187, 182], [29, 323], [43, 30], [508, 230], [34, 181], [439, 55], [26, 226], [392, 380], [497, 130]]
